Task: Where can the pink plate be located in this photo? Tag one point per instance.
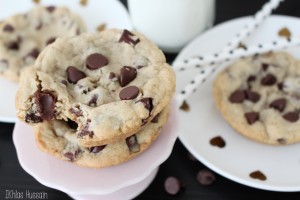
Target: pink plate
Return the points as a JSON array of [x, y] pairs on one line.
[[75, 180]]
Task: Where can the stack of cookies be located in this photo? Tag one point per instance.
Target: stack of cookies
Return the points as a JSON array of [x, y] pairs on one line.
[[97, 99], [24, 36]]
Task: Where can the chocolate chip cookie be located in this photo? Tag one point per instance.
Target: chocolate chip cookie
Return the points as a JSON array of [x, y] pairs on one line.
[[110, 84], [259, 97], [23, 36], [59, 138]]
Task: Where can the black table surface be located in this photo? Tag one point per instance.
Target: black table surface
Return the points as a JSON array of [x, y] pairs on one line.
[[13, 177]]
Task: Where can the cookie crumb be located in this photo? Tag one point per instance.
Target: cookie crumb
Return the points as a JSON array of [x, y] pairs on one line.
[[83, 2], [285, 32], [101, 27], [185, 106], [258, 175]]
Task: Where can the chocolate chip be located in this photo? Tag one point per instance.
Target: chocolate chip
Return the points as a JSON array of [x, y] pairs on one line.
[[45, 103], [147, 103], [237, 96], [33, 118], [206, 177], [129, 38], [252, 117], [112, 75], [140, 67], [13, 45], [251, 79], [50, 9], [281, 141], [278, 104], [280, 86], [155, 118], [258, 175], [76, 111], [291, 116], [218, 141], [133, 144], [39, 26], [127, 74], [93, 101], [34, 53], [72, 124], [50, 40], [72, 155], [172, 185], [85, 130], [265, 66], [8, 28], [74, 74], [129, 93], [185, 106], [97, 149], [268, 80], [96, 61], [252, 96]]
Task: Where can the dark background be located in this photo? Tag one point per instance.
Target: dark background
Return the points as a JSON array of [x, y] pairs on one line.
[[13, 177]]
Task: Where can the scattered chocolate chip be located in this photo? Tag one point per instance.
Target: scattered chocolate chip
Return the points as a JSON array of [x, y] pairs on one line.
[[13, 45], [129, 93], [45, 103], [127, 74], [218, 141], [50, 9], [96, 61], [93, 101], [112, 75], [237, 96], [265, 66], [74, 74], [185, 106], [33, 118], [281, 141], [155, 118], [251, 79], [97, 149], [101, 27], [85, 130], [268, 80], [50, 40], [8, 28], [172, 185], [206, 177], [278, 104], [252, 96], [72, 124], [133, 144], [258, 175], [291, 116], [72, 155], [252, 117], [148, 104], [280, 86], [284, 32], [129, 38]]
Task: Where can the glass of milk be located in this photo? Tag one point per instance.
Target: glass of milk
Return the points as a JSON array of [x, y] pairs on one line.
[[171, 24]]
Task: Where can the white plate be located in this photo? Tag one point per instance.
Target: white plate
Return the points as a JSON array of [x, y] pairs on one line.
[[240, 156], [76, 180], [96, 12]]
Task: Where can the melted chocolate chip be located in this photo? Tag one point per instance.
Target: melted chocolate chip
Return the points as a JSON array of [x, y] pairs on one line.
[[45, 103], [96, 61], [50, 9], [206, 177], [268, 80], [129, 93], [278, 104], [72, 124], [74, 74], [291, 116], [147, 103], [50, 40], [155, 118], [252, 117], [237, 96], [129, 38], [93, 101], [127, 74], [112, 75], [8, 28], [33, 118], [172, 185], [218, 141], [258, 175], [252, 96], [133, 144], [265, 66], [97, 149], [251, 79]]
